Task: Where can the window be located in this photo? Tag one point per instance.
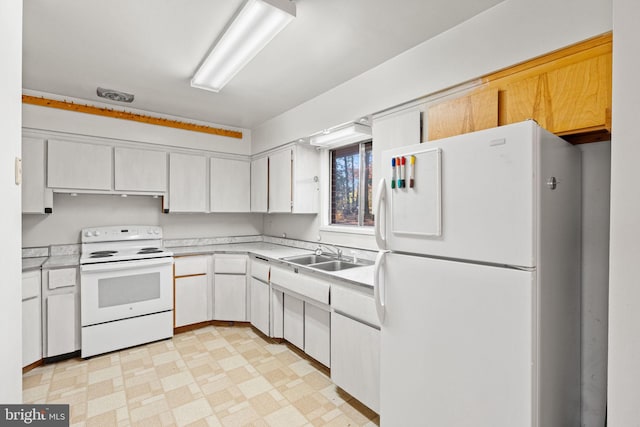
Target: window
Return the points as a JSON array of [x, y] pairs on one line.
[[351, 191]]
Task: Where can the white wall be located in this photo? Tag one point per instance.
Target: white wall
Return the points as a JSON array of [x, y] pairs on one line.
[[596, 173], [70, 214], [624, 278], [36, 117], [511, 32], [10, 123]]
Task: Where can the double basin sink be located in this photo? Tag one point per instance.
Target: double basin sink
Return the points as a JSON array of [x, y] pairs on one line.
[[324, 262]]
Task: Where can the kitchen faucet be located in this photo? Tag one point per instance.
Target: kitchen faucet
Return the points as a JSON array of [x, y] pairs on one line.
[[331, 249]]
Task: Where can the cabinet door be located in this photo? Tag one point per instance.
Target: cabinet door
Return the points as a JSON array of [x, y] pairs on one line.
[[187, 183], [31, 331], [230, 292], [260, 305], [294, 321], [306, 188], [389, 132], [550, 97], [33, 179], [355, 359], [470, 113], [277, 314], [140, 170], [259, 184], [191, 300], [317, 333], [77, 165], [280, 181], [61, 324], [230, 185]]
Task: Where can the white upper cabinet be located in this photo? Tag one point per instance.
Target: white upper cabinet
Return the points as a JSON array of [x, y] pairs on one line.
[[393, 131], [280, 184], [79, 166], [230, 185], [187, 183], [35, 197], [259, 184], [140, 170], [293, 180]]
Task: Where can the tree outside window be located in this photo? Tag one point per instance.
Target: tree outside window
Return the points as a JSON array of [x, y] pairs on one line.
[[351, 189]]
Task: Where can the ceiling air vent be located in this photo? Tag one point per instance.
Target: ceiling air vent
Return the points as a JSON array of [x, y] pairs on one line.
[[114, 95]]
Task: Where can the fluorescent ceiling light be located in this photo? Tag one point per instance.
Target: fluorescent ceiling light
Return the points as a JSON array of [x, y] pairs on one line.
[[355, 132], [252, 28]]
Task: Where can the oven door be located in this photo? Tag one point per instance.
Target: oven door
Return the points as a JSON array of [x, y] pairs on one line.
[[119, 290]]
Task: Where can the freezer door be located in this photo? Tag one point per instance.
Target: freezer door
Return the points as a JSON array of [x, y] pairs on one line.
[[457, 344], [473, 196]]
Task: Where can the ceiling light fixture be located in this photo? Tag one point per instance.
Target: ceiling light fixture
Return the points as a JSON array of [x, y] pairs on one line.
[[352, 133], [255, 24]]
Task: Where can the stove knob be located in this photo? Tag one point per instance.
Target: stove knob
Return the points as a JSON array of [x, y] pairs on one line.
[[96, 233], [88, 233], [149, 231], [156, 232]]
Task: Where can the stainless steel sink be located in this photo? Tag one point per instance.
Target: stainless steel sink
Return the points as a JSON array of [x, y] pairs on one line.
[[308, 259], [334, 265]]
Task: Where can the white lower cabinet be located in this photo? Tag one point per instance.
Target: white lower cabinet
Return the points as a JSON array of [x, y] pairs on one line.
[[230, 294], [191, 300], [230, 287], [317, 333], [355, 359], [61, 324], [277, 314], [259, 312], [191, 281], [60, 311], [294, 320], [31, 318]]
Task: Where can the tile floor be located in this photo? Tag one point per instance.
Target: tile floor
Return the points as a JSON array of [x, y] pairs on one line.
[[214, 376]]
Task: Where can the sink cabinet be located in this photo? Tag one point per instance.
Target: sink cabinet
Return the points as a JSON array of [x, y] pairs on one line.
[[306, 312]]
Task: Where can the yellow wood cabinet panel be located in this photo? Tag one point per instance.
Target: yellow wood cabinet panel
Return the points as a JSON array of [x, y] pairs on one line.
[[473, 112], [571, 99]]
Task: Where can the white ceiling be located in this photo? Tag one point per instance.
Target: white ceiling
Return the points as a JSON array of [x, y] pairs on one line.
[[151, 48]]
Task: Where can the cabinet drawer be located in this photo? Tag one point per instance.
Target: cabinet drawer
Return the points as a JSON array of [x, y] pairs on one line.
[[357, 305], [30, 284], [260, 270], [308, 286], [190, 265], [62, 278], [230, 264]]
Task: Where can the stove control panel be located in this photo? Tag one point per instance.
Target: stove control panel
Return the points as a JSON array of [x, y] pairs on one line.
[[118, 233]]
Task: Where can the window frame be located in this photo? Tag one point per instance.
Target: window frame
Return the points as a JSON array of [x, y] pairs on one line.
[[327, 169]]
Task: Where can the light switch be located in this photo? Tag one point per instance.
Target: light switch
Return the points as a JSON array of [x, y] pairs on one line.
[[18, 168]]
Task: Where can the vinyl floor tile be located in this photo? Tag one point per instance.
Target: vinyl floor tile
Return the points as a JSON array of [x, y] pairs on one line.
[[213, 376]]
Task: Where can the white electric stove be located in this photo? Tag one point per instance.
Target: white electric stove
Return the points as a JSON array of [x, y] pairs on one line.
[[126, 288]]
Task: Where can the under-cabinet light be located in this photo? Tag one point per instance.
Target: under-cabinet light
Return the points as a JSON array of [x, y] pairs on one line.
[[255, 24], [353, 133]]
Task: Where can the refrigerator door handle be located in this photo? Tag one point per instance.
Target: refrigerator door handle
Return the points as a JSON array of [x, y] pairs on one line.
[[379, 286], [378, 219]]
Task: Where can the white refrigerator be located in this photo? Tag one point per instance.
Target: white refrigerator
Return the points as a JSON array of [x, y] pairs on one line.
[[477, 282]]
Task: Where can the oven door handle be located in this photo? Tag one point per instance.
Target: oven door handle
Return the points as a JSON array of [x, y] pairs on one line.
[[125, 265]]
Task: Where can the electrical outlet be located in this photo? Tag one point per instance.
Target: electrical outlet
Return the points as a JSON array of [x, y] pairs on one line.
[[18, 168]]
